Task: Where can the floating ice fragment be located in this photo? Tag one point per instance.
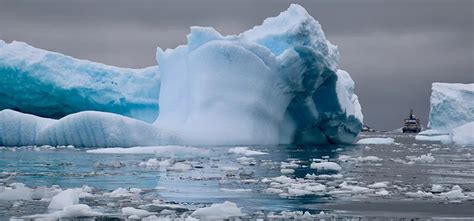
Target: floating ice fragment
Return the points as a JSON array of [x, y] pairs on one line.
[[378, 185], [224, 210], [67, 198], [435, 188], [287, 171], [376, 140], [130, 211], [424, 158], [326, 166], [455, 193], [245, 151]]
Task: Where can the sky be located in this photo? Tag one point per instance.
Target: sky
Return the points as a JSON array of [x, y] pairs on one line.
[[393, 49]]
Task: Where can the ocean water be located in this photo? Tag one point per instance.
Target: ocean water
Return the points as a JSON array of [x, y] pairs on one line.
[[219, 175]]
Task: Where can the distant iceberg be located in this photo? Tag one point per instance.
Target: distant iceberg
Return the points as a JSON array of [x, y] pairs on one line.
[[277, 83], [451, 113], [53, 85]]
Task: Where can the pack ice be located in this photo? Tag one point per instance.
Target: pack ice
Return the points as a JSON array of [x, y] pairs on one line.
[[276, 83], [452, 113], [53, 85]]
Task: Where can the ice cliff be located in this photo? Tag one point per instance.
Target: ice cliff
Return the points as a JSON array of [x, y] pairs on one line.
[[452, 112], [53, 85], [277, 83]]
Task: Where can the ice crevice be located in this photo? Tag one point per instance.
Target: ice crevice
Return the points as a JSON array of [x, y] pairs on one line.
[[277, 83]]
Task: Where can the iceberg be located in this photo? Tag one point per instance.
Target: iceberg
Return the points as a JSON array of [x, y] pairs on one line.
[[451, 114], [452, 105], [277, 83], [53, 85], [83, 129]]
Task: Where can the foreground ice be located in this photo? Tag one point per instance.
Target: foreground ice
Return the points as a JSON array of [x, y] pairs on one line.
[[218, 211], [53, 85], [410, 175], [277, 83], [452, 112]]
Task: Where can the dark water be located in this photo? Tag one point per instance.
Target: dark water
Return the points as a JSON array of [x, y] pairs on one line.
[[210, 182]]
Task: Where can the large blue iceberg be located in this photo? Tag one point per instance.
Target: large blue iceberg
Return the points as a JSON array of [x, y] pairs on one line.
[[53, 85], [277, 83]]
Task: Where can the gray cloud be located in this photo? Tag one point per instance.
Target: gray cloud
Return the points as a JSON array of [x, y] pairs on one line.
[[394, 50]]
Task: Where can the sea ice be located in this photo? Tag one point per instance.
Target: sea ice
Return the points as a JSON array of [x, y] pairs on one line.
[[130, 211], [67, 198], [326, 166], [245, 151], [455, 193], [78, 210], [16, 191], [441, 138], [218, 211], [424, 158], [376, 140]]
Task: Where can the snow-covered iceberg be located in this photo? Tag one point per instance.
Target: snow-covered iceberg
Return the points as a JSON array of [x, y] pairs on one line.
[[277, 83], [53, 85], [452, 112]]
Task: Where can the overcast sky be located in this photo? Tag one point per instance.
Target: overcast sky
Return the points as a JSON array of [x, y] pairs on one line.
[[393, 50]]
